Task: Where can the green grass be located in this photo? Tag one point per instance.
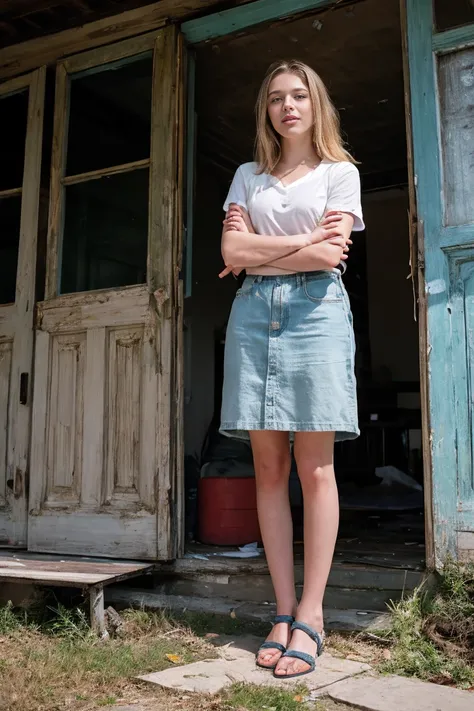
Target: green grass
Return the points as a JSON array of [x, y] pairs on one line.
[[44, 663], [434, 631], [258, 698]]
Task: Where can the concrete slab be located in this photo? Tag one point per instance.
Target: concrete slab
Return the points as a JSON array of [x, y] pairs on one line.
[[393, 693], [236, 663]]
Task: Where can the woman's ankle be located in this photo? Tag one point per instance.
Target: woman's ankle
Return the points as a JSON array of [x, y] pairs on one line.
[[311, 615], [287, 608]]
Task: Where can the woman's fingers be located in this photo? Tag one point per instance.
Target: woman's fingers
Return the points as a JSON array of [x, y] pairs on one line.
[[234, 223], [225, 272], [331, 219]]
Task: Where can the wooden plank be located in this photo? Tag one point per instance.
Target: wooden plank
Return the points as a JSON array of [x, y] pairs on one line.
[[94, 421], [58, 162], [429, 191], [177, 420], [94, 310], [419, 306], [25, 56], [39, 422], [118, 297], [10, 193], [149, 442], [457, 38], [97, 616], [190, 170], [110, 53], [107, 569], [238, 18], [127, 534], [178, 426], [5, 381], [104, 172], [456, 237], [160, 259], [15, 85], [21, 316], [123, 414], [66, 417], [44, 577]]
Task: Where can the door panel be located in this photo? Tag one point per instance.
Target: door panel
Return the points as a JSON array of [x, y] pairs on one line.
[[21, 105], [442, 92], [104, 470]]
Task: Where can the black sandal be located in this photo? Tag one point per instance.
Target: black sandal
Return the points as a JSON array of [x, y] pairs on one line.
[[289, 620]]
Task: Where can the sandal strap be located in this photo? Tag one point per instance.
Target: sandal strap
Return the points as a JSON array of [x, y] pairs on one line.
[[273, 645], [288, 619], [303, 656], [315, 636]]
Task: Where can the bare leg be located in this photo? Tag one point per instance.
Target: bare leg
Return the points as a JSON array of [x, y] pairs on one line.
[[314, 454], [271, 454]]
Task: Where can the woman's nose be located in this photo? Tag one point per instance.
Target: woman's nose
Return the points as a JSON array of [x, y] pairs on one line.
[[288, 103]]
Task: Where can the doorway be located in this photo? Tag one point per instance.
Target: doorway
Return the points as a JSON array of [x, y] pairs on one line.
[[357, 50]]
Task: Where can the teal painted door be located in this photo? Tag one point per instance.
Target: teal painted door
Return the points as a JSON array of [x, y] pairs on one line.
[[441, 68]]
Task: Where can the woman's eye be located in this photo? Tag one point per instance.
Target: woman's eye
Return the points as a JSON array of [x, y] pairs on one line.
[[301, 96], [274, 100]]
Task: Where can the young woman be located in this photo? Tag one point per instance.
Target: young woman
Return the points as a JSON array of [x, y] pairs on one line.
[[289, 356]]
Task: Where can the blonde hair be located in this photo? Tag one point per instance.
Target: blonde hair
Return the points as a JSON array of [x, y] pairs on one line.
[[327, 140]]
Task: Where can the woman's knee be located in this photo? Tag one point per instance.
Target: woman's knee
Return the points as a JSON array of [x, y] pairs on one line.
[[315, 473], [272, 469]]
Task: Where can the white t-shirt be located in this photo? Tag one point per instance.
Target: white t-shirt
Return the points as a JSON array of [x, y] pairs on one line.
[[276, 209]]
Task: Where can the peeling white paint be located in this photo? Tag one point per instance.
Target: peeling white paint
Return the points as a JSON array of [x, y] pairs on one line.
[[436, 286]]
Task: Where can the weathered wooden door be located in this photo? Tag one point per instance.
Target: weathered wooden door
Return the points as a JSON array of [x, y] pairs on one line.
[[21, 108], [441, 67], [106, 425]]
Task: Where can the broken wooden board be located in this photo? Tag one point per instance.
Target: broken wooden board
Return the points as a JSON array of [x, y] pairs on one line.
[[66, 571]]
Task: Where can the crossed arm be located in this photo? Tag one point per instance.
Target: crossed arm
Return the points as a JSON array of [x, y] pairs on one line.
[[323, 248]]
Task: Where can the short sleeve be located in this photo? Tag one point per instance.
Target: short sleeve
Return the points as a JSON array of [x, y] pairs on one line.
[[344, 193], [237, 191]]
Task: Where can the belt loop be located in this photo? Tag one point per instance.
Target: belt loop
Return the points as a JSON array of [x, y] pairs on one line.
[[259, 278]]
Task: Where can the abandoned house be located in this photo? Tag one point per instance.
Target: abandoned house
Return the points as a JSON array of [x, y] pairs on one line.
[[122, 125]]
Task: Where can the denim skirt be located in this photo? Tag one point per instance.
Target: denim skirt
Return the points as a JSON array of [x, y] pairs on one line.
[[289, 357]]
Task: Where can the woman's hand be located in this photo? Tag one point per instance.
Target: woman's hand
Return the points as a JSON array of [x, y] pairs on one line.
[[332, 229], [236, 219]]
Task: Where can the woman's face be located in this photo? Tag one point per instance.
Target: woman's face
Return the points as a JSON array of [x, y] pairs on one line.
[[289, 105]]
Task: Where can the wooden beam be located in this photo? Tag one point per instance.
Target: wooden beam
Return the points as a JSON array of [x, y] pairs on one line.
[[21, 8], [22, 57], [453, 39], [239, 18]]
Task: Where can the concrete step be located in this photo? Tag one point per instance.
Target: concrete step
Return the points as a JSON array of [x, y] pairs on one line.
[[350, 620], [349, 587], [260, 590]]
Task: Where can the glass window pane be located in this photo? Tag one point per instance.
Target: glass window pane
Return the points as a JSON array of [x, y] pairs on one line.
[[453, 13], [10, 215], [110, 116], [14, 115], [105, 233], [456, 90]]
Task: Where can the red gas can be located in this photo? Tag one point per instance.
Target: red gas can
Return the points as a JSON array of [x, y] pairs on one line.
[[228, 511]]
